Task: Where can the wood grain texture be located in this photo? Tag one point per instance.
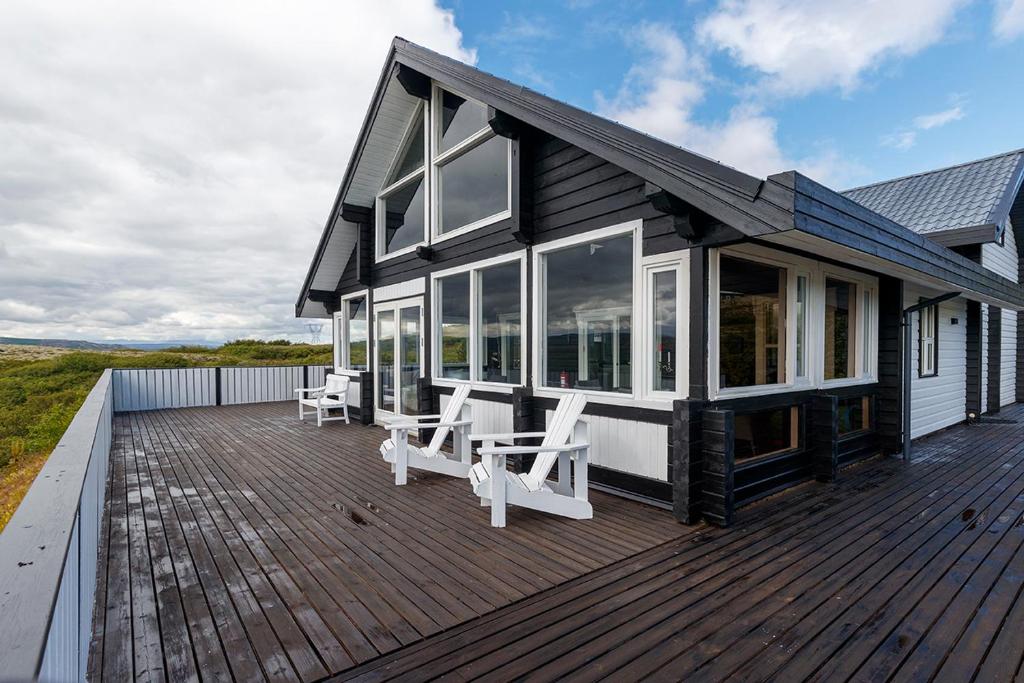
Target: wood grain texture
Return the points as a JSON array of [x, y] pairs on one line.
[[242, 544]]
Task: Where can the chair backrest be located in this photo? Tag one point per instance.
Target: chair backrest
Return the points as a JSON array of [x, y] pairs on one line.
[[558, 433], [450, 413], [336, 384]]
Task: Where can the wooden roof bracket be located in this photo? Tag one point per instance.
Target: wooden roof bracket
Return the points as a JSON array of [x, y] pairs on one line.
[[690, 222], [414, 82]]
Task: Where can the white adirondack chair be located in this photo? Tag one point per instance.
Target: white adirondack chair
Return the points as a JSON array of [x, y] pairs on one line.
[[566, 441], [455, 418], [333, 394]]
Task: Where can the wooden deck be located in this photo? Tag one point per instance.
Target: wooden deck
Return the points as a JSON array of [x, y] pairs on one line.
[[896, 573], [242, 544]]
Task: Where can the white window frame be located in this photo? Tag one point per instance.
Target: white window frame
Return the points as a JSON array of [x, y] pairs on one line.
[[866, 352], [439, 159], [379, 203], [866, 329], [341, 355], [928, 346], [474, 322], [395, 306], [677, 262], [635, 228]]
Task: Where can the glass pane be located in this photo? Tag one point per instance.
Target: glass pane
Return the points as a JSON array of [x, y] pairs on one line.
[[454, 316], [500, 320], [386, 361], [854, 414], [767, 432], [412, 155], [664, 296], [801, 326], [357, 334], [475, 185], [840, 318], [588, 315], [752, 323], [404, 214], [459, 119], [409, 345]]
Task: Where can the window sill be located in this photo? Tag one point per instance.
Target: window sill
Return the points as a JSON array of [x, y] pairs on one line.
[[852, 382], [476, 225], [496, 387], [401, 252], [760, 390], [609, 398]]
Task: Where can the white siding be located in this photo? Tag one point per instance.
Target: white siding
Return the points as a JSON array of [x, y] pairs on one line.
[[940, 401], [399, 290], [1002, 258], [634, 447], [489, 417], [1008, 367]]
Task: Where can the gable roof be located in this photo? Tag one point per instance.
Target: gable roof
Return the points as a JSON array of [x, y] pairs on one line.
[[961, 204], [754, 207]]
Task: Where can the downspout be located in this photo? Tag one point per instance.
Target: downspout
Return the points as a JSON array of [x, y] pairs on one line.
[[907, 341]]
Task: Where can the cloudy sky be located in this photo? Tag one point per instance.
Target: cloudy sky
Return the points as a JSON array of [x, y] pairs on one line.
[[166, 168]]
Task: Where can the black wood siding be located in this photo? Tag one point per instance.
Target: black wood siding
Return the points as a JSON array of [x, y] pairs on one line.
[[974, 333], [995, 347], [889, 404]]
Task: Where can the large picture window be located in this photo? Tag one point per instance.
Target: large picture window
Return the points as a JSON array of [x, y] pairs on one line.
[[471, 166], [401, 204], [479, 328], [752, 323], [587, 304]]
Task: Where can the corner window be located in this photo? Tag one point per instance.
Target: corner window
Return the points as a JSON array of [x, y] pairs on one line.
[[766, 432], [471, 167], [928, 342], [479, 329], [587, 321], [752, 323], [402, 201]]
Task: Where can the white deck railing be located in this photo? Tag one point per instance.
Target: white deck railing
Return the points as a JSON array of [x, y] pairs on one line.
[[50, 547]]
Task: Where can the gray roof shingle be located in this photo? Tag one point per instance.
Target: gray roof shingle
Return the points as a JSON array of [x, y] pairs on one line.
[[963, 196]]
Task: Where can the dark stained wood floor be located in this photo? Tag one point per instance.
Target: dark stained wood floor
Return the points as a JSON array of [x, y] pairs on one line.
[[242, 544], [904, 573]]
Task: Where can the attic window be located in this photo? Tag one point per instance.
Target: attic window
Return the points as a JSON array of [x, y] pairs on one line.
[[471, 169], [402, 202]]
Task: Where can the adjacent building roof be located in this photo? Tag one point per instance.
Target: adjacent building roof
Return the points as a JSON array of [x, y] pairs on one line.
[[779, 208], [961, 204]]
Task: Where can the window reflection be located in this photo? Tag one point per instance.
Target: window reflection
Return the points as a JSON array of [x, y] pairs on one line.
[[474, 185], [840, 317], [664, 350], [453, 297], [409, 353], [766, 432], [752, 323], [386, 360], [500, 320], [460, 118], [588, 315], [413, 154], [854, 414], [404, 216], [356, 334]]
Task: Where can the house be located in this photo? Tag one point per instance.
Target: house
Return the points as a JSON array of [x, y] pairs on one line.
[[735, 335]]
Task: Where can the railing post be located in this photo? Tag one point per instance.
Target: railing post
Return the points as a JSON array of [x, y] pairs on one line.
[[366, 398], [217, 383]]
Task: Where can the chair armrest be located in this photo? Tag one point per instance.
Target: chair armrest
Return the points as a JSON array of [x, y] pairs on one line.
[[431, 425], [409, 419], [505, 437], [516, 450], [306, 390]]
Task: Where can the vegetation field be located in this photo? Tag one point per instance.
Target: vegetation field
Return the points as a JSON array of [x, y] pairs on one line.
[[41, 389]]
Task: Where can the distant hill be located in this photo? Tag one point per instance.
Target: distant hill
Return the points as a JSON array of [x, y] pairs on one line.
[[97, 346]]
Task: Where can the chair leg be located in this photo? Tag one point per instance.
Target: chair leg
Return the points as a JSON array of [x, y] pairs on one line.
[[498, 484], [345, 409], [302, 413], [319, 417], [401, 457]]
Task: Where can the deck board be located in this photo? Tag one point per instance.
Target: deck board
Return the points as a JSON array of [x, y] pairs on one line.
[[241, 543], [894, 573]]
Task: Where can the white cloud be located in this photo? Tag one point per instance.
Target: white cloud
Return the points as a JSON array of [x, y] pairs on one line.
[[166, 168], [906, 138], [661, 91], [901, 140], [805, 45], [1008, 21]]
